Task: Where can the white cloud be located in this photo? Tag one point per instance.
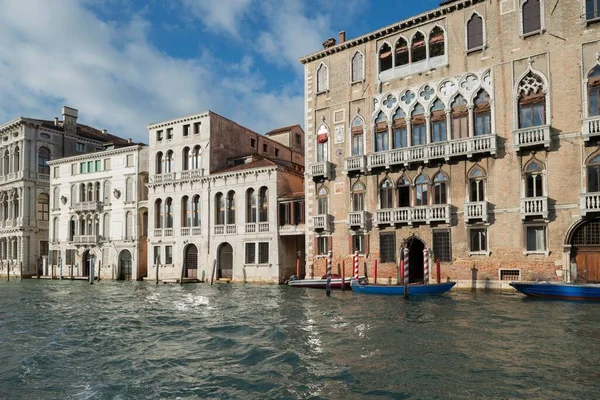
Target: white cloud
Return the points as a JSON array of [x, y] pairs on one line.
[[223, 15]]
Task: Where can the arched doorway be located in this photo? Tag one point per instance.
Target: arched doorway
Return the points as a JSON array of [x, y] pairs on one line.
[[225, 261], [415, 259], [86, 259], [190, 262], [125, 269], [585, 251]]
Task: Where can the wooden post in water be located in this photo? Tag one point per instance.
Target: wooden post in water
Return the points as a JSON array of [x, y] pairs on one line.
[[437, 270], [328, 284], [365, 270], [375, 271], [8, 271], [182, 273], [21, 267], [298, 268], [71, 272], [157, 266], [212, 275], [99, 268], [37, 269], [343, 274]]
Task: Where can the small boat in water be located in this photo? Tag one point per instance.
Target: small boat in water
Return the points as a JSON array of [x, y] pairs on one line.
[[336, 282], [398, 290], [559, 290]]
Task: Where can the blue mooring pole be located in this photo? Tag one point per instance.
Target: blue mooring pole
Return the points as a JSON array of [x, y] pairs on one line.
[[329, 259]]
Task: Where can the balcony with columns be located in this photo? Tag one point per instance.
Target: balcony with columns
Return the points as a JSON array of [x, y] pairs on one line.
[[229, 229], [589, 203], [85, 206], [476, 211], [534, 207], [86, 240], [535, 136], [355, 164], [410, 215], [357, 219], [322, 222], [321, 170], [590, 127]]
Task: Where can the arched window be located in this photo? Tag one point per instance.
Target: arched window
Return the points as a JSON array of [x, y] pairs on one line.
[[43, 207], [73, 195], [322, 138], [158, 214], [159, 163], [403, 192], [476, 185], [129, 189], [129, 225], [357, 137], [532, 16], [357, 67], [385, 57], [418, 49], [475, 32], [593, 174], [251, 206], [386, 190], [196, 154], [56, 198], [436, 42], [440, 189], [534, 179], [322, 84], [196, 210], [482, 116], [185, 159], [401, 52], [264, 204], [381, 133], [90, 192], [421, 190], [43, 158], [532, 101], [169, 212], [169, 162], [419, 131], [594, 92], [460, 118], [17, 160], [82, 192], [592, 9], [438, 122], [399, 140], [322, 201], [186, 212], [6, 163], [220, 209], [106, 226], [358, 197], [72, 228], [231, 207], [16, 207], [55, 230], [106, 192], [97, 191]]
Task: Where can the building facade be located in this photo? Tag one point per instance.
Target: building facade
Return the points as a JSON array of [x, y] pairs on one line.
[[471, 131], [27, 146], [213, 200], [99, 214]]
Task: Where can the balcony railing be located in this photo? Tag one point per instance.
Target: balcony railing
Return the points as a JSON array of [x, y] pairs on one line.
[[219, 229], [263, 227], [476, 210], [321, 170], [87, 206], [532, 137], [321, 222], [168, 177], [168, 232], [591, 127], [589, 202], [196, 231], [85, 239], [231, 229], [184, 232], [357, 219], [158, 233], [292, 230], [225, 229], [356, 164], [251, 227], [443, 150], [192, 173], [43, 177], [534, 207], [410, 215]]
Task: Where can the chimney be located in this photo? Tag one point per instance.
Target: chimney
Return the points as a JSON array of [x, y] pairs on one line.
[[129, 140], [342, 37], [69, 119], [55, 121], [104, 132]]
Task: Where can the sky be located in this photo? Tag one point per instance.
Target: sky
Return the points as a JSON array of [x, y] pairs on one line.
[[125, 64]]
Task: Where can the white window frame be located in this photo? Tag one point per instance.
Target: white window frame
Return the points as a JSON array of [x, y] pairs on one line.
[[545, 251], [362, 78], [485, 252], [320, 90], [483, 30], [542, 20]]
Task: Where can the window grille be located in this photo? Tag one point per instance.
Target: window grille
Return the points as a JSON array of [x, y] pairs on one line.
[[263, 253], [250, 253], [442, 245], [387, 247], [589, 234], [510, 275]]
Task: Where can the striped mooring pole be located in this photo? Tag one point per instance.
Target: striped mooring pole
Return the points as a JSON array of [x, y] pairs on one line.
[[356, 264], [406, 271], [426, 265], [329, 260]]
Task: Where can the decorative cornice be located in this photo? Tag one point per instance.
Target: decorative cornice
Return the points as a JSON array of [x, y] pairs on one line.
[[99, 154], [179, 120]]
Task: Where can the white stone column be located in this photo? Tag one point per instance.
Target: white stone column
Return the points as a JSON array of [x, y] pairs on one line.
[[408, 133], [471, 121], [448, 124], [428, 128], [45, 265]]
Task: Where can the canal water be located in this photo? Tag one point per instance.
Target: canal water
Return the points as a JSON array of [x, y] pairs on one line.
[[133, 340]]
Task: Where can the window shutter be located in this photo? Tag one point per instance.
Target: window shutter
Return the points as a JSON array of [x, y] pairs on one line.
[[366, 244]]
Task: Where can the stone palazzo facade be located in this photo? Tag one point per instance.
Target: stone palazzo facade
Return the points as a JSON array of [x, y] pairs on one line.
[[470, 131]]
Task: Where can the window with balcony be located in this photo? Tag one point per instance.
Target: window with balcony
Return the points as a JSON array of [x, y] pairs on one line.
[[531, 15], [169, 212], [440, 189], [357, 132], [535, 238], [403, 187], [196, 210], [419, 132], [186, 212], [17, 161], [399, 140], [386, 194], [437, 46], [418, 48], [438, 122], [460, 118], [159, 163], [387, 247], [219, 209], [593, 174], [322, 79], [592, 9], [357, 67], [421, 190], [593, 84], [358, 197], [158, 214], [43, 207], [381, 133], [251, 206], [534, 179], [478, 240], [129, 225], [532, 101], [185, 159], [481, 114], [6, 163], [322, 201], [196, 157], [322, 140], [263, 199], [169, 161], [475, 32], [231, 207], [385, 57], [401, 52], [476, 185]]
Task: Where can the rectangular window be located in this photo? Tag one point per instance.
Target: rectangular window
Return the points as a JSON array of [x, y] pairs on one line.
[[156, 255], [252, 142], [460, 127], [250, 253], [196, 127], [400, 141], [536, 238], [442, 246], [357, 145], [438, 131], [169, 133], [591, 9], [186, 130], [322, 245], [83, 168], [43, 209], [418, 135], [276, 152], [478, 240], [98, 165], [510, 274], [358, 242], [91, 166], [107, 164], [129, 161], [381, 141], [263, 253], [159, 135], [44, 249], [265, 147], [532, 114], [56, 172], [80, 147], [387, 247], [168, 255], [482, 124], [74, 169], [298, 139]]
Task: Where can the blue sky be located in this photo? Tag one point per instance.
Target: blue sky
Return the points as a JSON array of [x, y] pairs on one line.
[[127, 63]]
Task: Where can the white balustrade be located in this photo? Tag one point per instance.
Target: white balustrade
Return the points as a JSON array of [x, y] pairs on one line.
[[85, 239], [321, 221], [356, 218], [534, 206], [219, 229], [321, 169], [355, 163], [86, 206], [192, 173], [591, 127], [43, 177], [534, 136], [168, 232], [184, 232], [231, 229], [476, 210], [589, 202], [409, 215], [196, 231], [250, 227], [158, 233], [263, 227]]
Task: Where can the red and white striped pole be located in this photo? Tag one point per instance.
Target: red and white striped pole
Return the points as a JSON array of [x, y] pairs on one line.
[[356, 264], [426, 265], [406, 264]]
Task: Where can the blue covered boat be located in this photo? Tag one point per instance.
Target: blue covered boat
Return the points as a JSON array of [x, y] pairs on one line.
[[413, 290], [559, 290]]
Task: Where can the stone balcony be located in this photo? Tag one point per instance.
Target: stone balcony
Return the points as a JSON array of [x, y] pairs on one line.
[[590, 127], [357, 219], [355, 164], [322, 222], [229, 229], [187, 231], [320, 170], [163, 178], [411, 215], [84, 206], [589, 203], [85, 239], [253, 227], [534, 207], [476, 211], [290, 230], [442, 150], [536, 136]]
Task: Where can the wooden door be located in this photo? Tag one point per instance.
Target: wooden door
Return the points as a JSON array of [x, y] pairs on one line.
[[588, 263], [191, 262], [226, 261]]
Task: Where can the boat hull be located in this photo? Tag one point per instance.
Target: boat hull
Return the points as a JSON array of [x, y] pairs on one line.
[[336, 283], [413, 290], [565, 291]]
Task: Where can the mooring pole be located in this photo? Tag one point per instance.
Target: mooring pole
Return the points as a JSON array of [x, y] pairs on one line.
[[400, 272], [157, 266], [21, 267], [182, 273], [99, 269], [375, 271], [37, 269], [437, 271], [212, 275], [71, 270], [328, 284], [356, 264], [298, 268], [425, 265], [343, 274], [8, 272], [406, 271], [60, 274]]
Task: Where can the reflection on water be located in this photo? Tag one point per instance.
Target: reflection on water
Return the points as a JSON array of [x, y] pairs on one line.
[[134, 340]]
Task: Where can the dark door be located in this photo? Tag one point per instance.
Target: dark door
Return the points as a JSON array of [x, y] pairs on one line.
[[191, 262], [86, 259], [588, 263], [415, 260], [125, 265], [225, 261]]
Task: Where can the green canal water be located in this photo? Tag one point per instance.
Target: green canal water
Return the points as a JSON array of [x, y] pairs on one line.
[[132, 340]]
